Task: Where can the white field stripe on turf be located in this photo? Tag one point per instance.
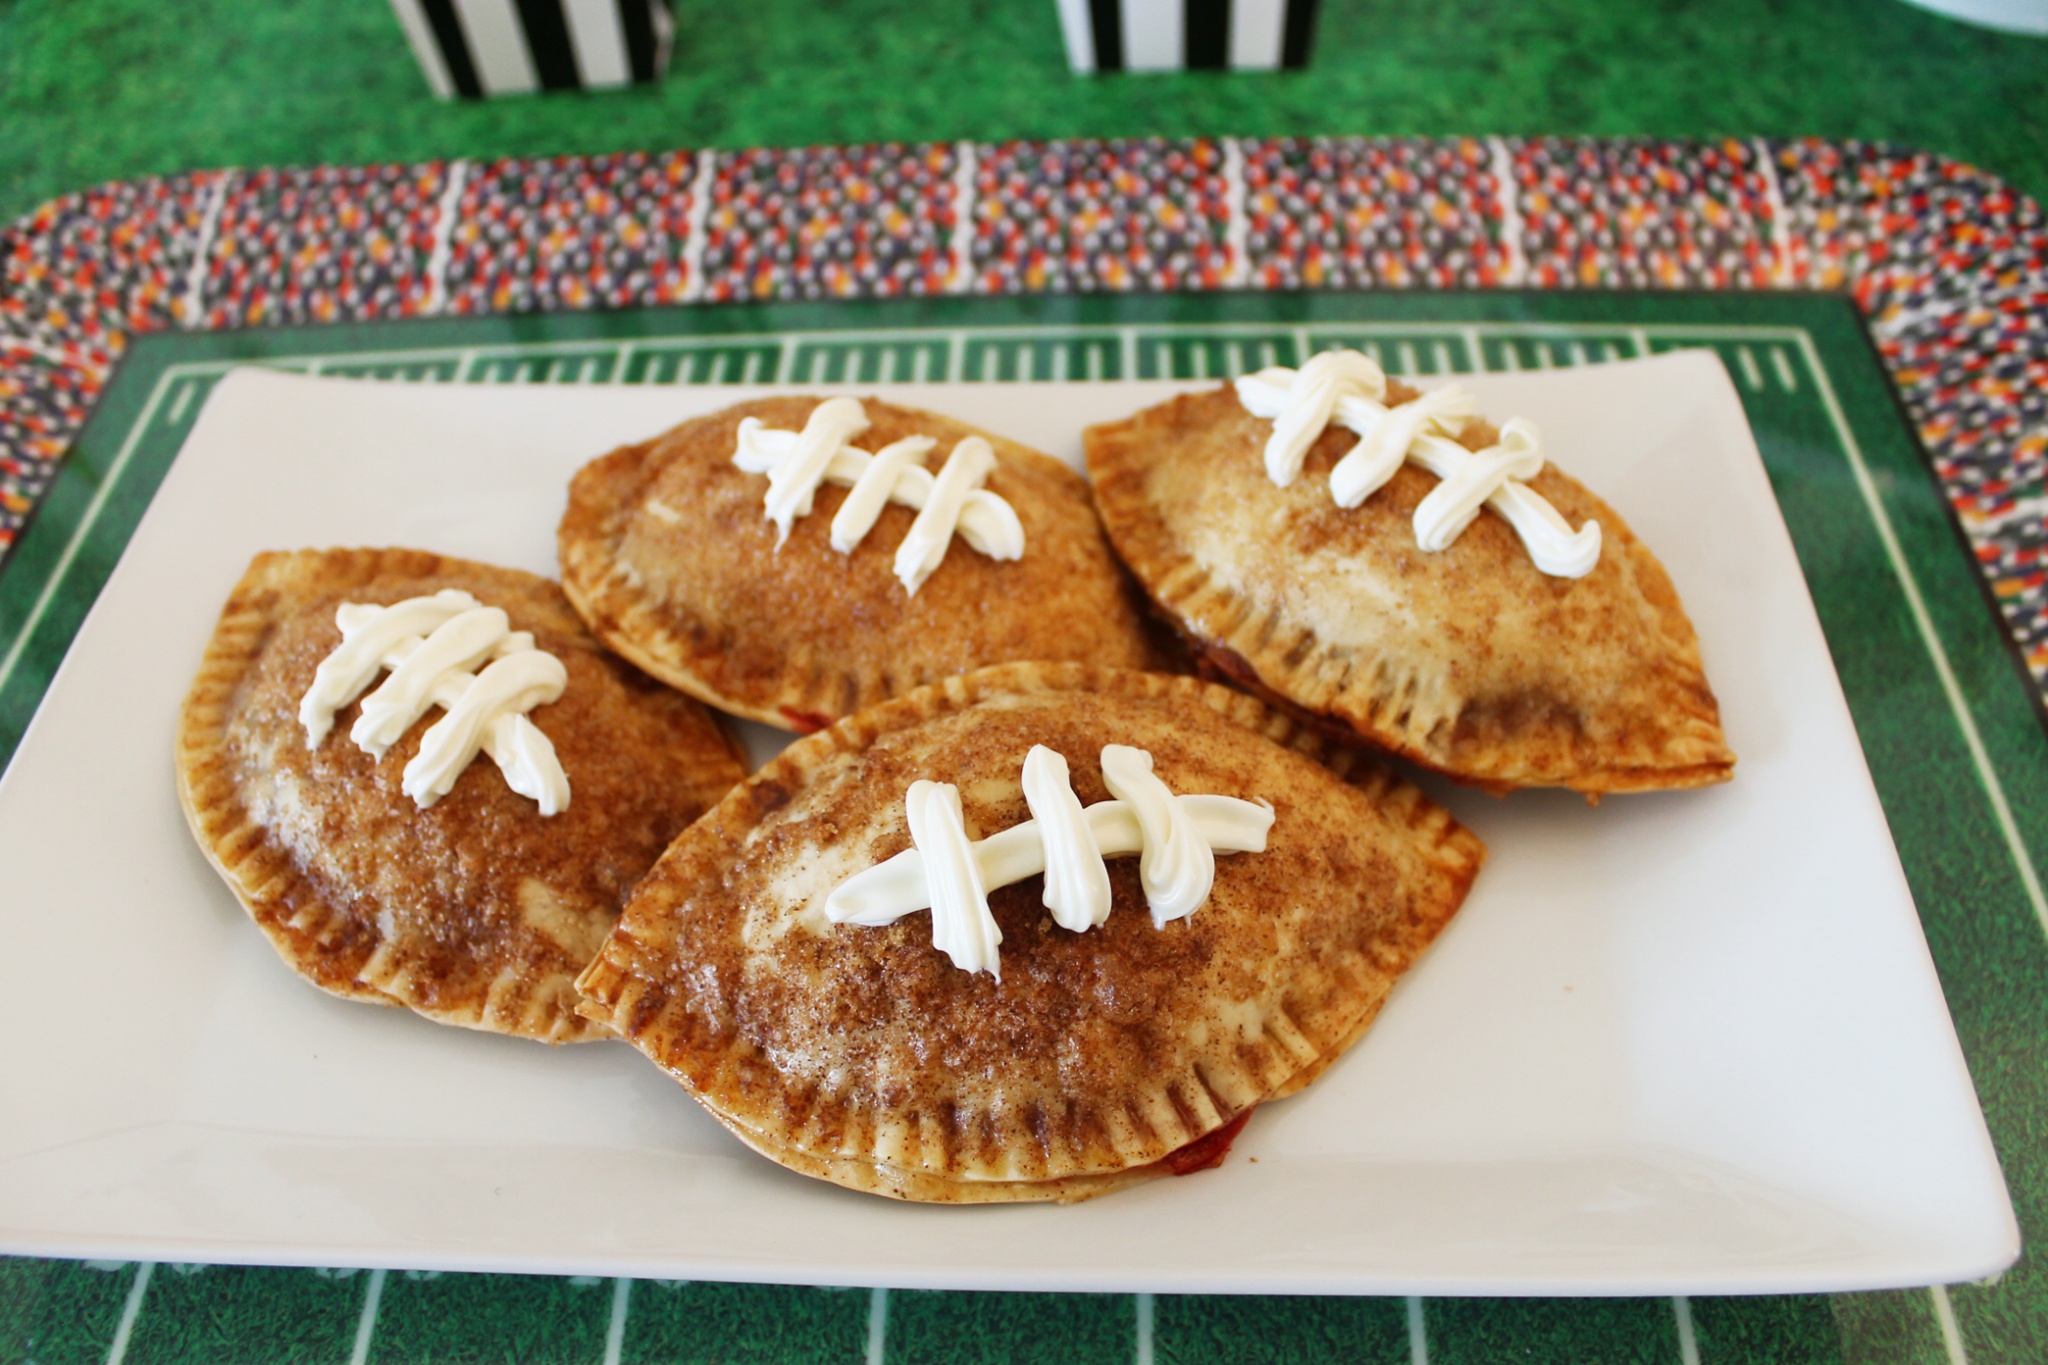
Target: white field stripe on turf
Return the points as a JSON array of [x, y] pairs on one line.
[[1143, 1306], [754, 343], [1688, 1340], [193, 313], [130, 1310], [445, 214], [1781, 231], [1751, 374], [182, 402], [878, 1326], [1418, 1333], [1237, 234], [2001, 809], [84, 527], [366, 1322], [700, 215], [615, 1330], [1784, 369], [961, 249], [1945, 1318], [1502, 163]]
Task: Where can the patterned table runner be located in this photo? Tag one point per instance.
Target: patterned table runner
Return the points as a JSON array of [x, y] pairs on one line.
[[1949, 266]]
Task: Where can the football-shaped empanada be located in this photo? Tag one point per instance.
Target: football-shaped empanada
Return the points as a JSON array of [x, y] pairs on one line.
[[1465, 657], [784, 960], [475, 908], [681, 558]]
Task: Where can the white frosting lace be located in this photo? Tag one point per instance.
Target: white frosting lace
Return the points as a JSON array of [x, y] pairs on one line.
[[1176, 838], [796, 462], [1347, 388], [430, 644]]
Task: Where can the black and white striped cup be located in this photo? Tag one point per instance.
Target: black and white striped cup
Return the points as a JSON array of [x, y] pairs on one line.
[[475, 48], [1182, 35]]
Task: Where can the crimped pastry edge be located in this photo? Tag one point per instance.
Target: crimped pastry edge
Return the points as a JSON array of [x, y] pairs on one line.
[[617, 992], [1323, 686], [811, 692], [292, 908]]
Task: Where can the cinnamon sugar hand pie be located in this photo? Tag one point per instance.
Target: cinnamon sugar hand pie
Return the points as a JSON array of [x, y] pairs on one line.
[[429, 786], [1033, 933], [1390, 567], [763, 562]]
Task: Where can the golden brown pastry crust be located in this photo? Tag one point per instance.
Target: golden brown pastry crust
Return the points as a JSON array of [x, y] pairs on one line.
[[669, 555], [478, 910], [1470, 661], [863, 1056]]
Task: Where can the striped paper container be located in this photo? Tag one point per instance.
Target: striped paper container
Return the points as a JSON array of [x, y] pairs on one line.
[[1184, 35], [480, 48]]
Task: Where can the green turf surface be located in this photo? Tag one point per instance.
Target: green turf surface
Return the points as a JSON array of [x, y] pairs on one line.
[[94, 90], [60, 1312], [1192, 1328], [672, 1323], [1985, 943], [933, 1328], [1596, 1332], [204, 1315], [1790, 1329]]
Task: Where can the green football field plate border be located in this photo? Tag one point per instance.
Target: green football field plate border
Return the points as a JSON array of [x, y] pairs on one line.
[[1950, 724]]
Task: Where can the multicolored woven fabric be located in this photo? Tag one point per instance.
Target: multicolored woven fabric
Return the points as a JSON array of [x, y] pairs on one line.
[[1949, 266]]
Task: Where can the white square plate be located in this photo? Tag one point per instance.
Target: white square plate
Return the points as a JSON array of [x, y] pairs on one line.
[[1687, 1042]]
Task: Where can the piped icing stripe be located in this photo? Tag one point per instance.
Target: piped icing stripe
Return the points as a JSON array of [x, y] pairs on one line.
[[953, 500], [431, 645], [1176, 839], [1347, 388]]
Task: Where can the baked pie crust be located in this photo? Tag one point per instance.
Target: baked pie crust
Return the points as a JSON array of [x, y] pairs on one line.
[[863, 1056], [477, 910], [1468, 660], [668, 554]]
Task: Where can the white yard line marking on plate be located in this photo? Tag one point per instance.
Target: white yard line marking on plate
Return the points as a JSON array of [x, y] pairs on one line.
[[615, 1330], [2001, 809], [182, 402], [85, 525], [1945, 1318], [1418, 1333], [1144, 1309], [130, 1310], [1745, 359], [878, 1326], [1688, 1340], [1783, 365], [759, 345], [366, 1322]]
